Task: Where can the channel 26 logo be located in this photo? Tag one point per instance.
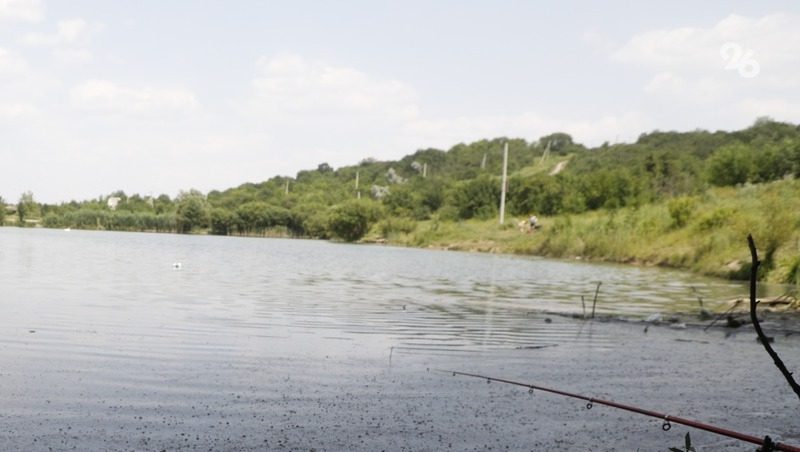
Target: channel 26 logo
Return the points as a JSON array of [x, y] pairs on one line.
[[739, 59]]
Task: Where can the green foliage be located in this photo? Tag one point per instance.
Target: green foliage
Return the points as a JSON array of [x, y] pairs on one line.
[[793, 270], [222, 221], [396, 225], [680, 210], [192, 211], [104, 219], [715, 219], [351, 220], [730, 165], [2, 210], [477, 198], [257, 217], [608, 188], [559, 142], [401, 200], [28, 208], [544, 195]]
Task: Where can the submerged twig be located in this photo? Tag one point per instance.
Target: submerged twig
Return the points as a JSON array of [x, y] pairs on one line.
[[762, 337], [697, 294], [596, 291], [719, 317], [583, 305]]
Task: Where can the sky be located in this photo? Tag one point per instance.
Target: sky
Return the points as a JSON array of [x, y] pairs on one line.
[[155, 97]]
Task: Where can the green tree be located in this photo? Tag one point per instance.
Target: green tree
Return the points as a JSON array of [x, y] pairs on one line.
[[192, 211], [163, 204], [609, 188], [539, 194], [351, 220], [478, 197], [730, 165], [27, 208], [222, 221], [2, 210]]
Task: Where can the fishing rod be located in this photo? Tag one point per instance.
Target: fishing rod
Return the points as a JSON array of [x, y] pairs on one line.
[[766, 442]]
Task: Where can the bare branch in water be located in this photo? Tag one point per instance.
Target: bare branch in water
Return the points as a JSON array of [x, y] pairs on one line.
[[761, 336]]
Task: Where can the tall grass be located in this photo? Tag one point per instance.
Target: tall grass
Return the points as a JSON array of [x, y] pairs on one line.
[[704, 233]]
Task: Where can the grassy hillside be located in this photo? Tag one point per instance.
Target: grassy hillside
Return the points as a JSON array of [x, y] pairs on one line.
[[704, 233]]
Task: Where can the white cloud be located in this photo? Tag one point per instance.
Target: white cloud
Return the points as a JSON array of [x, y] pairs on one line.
[[779, 109], [591, 131], [68, 41], [714, 68], [292, 85], [68, 32], [11, 63], [14, 111], [294, 94], [73, 55], [702, 90], [773, 39], [21, 10], [103, 95]]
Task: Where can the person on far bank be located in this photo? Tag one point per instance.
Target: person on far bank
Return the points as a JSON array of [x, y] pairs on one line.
[[533, 222]]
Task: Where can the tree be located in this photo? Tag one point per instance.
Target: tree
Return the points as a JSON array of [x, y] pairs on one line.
[[163, 204], [539, 194], [730, 165], [2, 210], [478, 197], [192, 211], [222, 221], [351, 220], [27, 208], [558, 142]]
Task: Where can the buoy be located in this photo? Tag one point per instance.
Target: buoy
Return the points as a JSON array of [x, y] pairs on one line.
[[176, 265]]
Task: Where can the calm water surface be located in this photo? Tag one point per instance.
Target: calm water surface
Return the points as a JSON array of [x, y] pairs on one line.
[[307, 294]]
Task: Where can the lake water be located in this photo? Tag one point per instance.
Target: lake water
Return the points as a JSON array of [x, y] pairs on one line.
[[102, 283], [100, 334]]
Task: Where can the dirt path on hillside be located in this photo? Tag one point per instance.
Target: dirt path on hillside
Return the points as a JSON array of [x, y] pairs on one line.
[[558, 168]]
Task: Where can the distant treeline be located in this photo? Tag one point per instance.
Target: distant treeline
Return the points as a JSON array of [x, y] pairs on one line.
[[460, 183]]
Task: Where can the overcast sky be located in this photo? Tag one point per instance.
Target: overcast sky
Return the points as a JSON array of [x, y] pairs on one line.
[[157, 96]]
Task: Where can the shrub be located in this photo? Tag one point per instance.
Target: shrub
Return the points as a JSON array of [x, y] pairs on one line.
[[351, 220], [715, 219], [395, 225], [680, 210], [730, 165]]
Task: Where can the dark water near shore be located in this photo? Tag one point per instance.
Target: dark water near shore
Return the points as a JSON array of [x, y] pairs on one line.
[[101, 334]]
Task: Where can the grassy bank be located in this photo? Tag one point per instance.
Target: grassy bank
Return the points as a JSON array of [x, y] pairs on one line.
[[705, 233]]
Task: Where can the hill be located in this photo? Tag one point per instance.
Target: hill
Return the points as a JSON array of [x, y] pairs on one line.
[[670, 198]]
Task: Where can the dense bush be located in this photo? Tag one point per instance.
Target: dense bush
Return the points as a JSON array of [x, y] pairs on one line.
[[351, 220]]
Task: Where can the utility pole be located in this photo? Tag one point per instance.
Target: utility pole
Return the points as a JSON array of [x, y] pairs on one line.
[[483, 162], [546, 152], [424, 170], [503, 187], [287, 187], [358, 193]]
